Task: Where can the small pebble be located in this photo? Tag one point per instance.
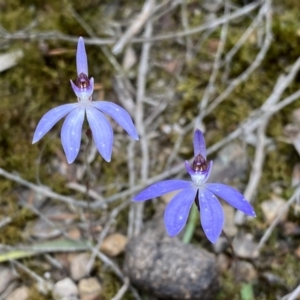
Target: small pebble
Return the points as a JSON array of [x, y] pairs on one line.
[[78, 265], [114, 244], [89, 289], [21, 293], [65, 289]]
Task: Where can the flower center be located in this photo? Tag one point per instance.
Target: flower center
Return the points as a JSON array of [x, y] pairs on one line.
[[82, 81], [199, 164]]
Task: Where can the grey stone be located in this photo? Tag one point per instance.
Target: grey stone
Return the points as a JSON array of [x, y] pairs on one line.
[[78, 265], [7, 275], [90, 289], [65, 289], [21, 293], [170, 269]]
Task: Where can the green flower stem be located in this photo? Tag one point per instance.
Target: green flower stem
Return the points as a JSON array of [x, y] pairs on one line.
[[191, 225]]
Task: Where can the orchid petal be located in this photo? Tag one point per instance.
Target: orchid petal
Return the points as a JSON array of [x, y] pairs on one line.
[[232, 196], [160, 188], [102, 132], [211, 214], [81, 58], [177, 211], [189, 168], [199, 144], [119, 114], [71, 133], [50, 119]]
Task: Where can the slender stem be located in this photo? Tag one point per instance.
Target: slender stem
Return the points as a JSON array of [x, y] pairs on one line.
[[87, 182], [191, 225]]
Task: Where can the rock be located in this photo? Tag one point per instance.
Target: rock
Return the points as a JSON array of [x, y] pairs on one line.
[[292, 130], [297, 252], [245, 271], [245, 247], [21, 293], [223, 263], [296, 175], [170, 269], [6, 277], [296, 116], [40, 229], [291, 228], [273, 279], [229, 226], [220, 245], [65, 289], [61, 219], [114, 244], [230, 164], [10, 59], [74, 233], [272, 207], [90, 289], [78, 265]]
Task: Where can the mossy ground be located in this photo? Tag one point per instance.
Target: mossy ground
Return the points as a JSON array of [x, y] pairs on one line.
[[40, 81]]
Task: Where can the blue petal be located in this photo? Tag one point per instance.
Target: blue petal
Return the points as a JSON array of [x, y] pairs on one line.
[[119, 114], [50, 119], [71, 133], [177, 211], [232, 196], [81, 58], [199, 144], [102, 132], [211, 213], [189, 168], [160, 188]]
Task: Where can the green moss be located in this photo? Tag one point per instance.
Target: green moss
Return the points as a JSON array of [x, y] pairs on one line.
[[229, 288], [34, 294], [286, 267], [12, 233], [111, 285]]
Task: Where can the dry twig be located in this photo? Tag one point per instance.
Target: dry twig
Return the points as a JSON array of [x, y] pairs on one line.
[[267, 8], [54, 35], [256, 171], [135, 27], [268, 232], [293, 295], [139, 120]]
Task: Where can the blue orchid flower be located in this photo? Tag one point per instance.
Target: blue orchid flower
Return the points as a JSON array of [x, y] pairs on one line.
[[72, 127], [198, 191]]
